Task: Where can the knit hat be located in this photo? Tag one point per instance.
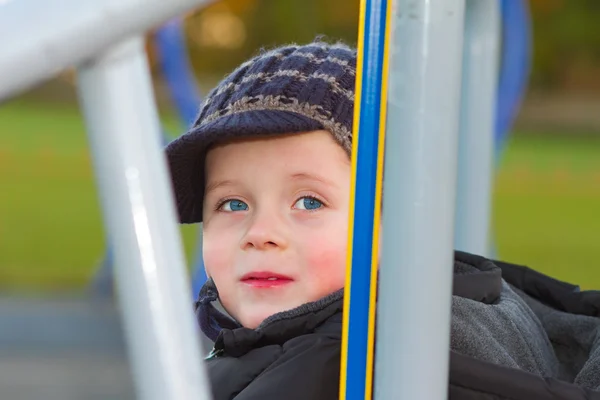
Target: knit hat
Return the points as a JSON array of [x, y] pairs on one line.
[[290, 89]]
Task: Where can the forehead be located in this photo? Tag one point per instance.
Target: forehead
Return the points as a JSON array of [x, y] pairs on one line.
[[310, 150]]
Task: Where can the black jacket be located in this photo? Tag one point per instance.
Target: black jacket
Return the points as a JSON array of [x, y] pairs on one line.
[[516, 335]]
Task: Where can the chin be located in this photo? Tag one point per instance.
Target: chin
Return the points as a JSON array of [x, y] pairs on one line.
[[253, 320]]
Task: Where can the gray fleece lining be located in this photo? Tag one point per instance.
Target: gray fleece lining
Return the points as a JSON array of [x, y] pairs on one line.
[[520, 332], [506, 333], [576, 342]]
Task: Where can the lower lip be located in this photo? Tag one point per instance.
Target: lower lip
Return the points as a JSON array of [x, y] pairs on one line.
[[265, 283]]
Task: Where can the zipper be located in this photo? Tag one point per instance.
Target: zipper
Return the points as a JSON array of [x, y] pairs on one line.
[[214, 353]]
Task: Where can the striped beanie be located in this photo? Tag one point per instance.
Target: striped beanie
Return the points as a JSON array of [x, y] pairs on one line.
[[290, 89]]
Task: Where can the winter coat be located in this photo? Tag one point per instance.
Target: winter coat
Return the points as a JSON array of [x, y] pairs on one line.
[[516, 334]]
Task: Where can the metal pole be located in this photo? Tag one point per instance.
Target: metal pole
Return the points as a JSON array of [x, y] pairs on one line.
[[415, 285], [42, 37], [358, 327], [124, 133], [477, 123]]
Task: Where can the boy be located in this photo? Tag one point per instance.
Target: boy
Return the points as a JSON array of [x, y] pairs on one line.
[[274, 204], [266, 168]]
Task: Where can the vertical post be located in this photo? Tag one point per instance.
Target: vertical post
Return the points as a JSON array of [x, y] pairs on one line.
[[415, 285], [124, 133], [360, 293], [477, 123]]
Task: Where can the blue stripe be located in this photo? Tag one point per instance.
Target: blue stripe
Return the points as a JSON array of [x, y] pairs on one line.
[[364, 206]]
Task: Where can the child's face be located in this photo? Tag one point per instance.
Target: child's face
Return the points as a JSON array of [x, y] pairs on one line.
[[276, 208]]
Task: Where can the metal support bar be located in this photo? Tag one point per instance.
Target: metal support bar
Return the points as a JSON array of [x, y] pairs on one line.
[[62, 33], [360, 292], [476, 137], [415, 285], [124, 133]]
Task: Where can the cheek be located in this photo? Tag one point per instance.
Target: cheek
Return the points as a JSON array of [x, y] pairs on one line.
[[215, 257], [326, 264], [326, 256], [219, 267]]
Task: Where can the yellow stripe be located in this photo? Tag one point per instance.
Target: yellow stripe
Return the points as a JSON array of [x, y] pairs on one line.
[[356, 121], [378, 196]]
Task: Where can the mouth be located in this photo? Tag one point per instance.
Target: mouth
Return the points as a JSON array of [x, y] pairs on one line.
[[265, 279]]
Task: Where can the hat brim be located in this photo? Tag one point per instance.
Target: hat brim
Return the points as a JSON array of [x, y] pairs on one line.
[[186, 155]]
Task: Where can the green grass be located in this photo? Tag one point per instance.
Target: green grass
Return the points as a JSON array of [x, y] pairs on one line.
[[546, 202], [51, 234], [547, 206]]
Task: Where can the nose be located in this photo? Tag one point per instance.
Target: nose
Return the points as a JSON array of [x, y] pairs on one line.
[[266, 231]]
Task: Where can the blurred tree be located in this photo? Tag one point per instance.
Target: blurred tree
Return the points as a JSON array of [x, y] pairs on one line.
[[256, 24], [566, 34], [566, 38]]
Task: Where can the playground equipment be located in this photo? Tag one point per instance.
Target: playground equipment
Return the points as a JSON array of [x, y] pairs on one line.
[[185, 95], [476, 140], [177, 70], [124, 132], [125, 136]]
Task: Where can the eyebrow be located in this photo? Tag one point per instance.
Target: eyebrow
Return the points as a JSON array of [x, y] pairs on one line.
[[218, 184], [311, 177], [296, 177]]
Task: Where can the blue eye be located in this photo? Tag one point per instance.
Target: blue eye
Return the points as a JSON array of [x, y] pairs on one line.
[[233, 205], [308, 203]]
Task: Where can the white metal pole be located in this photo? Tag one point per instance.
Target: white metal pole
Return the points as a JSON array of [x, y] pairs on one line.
[[124, 133], [415, 285], [42, 37], [476, 137]]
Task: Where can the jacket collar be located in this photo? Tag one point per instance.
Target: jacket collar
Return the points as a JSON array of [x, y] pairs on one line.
[[476, 278], [236, 340]]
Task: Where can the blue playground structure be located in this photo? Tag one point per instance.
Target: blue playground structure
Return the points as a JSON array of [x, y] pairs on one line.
[[515, 66]]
